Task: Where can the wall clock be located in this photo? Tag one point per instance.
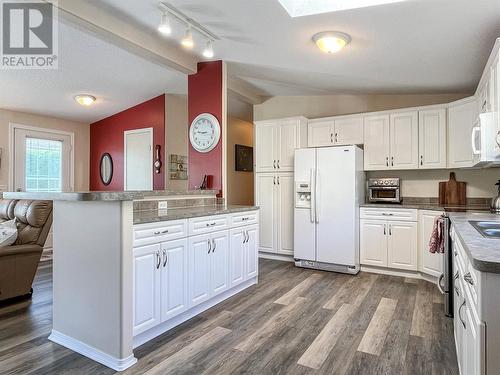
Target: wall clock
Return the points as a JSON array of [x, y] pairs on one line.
[[204, 133]]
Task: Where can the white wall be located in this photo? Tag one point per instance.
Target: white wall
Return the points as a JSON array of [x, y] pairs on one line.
[[480, 182], [176, 133], [82, 139]]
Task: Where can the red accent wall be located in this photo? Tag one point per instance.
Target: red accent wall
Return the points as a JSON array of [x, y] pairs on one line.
[[107, 136], [205, 95]]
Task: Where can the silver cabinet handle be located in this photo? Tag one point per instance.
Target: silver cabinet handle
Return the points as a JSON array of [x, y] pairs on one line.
[[460, 313], [336, 137], [390, 229], [209, 246], [456, 275], [245, 218], [387, 161], [278, 180], [497, 139], [244, 237], [211, 224], [468, 278], [165, 257], [392, 161], [331, 137], [278, 164], [385, 230], [440, 287], [274, 180], [456, 291], [214, 246], [421, 159], [386, 214], [455, 252], [161, 232], [247, 237], [274, 164], [158, 259]]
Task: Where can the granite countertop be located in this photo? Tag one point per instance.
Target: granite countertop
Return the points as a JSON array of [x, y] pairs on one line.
[[484, 253], [103, 195], [153, 216]]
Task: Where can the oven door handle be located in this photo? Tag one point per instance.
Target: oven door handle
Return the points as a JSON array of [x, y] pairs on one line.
[[439, 285]]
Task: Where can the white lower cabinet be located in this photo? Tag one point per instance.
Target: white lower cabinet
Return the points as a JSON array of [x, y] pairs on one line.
[[428, 263], [171, 277], [390, 243]]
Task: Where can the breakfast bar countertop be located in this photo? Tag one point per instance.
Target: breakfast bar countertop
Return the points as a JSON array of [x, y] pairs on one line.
[[484, 253], [154, 216]]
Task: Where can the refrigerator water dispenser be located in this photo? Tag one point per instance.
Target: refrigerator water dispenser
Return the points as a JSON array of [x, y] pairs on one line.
[[303, 195]]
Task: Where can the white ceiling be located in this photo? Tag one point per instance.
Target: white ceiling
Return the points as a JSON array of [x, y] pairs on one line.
[[415, 46], [87, 65]]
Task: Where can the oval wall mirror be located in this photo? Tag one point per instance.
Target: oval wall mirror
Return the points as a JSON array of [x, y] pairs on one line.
[[106, 168]]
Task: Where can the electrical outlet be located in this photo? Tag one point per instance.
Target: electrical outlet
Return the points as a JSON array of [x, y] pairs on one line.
[[162, 205]]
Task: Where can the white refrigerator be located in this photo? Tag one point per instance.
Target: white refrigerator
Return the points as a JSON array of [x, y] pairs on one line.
[[329, 187]]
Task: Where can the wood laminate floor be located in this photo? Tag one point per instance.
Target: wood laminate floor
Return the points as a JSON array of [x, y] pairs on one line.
[[295, 321]]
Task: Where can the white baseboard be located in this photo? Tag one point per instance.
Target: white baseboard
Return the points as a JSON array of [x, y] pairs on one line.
[[117, 364], [282, 257], [401, 273], [150, 334]]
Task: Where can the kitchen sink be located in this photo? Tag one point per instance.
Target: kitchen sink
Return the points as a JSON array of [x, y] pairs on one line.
[[488, 229]]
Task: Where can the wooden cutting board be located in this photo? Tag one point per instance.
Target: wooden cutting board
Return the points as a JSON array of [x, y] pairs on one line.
[[452, 192]]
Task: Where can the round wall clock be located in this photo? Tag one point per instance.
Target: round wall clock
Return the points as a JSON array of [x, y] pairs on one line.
[[204, 133]]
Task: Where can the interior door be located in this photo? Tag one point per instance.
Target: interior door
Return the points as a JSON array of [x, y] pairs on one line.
[[288, 142], [146, 291], [404, 140], [199, 269], [252, 256], [138, 159], [335, 208], [220, 262], [266, 147], [286, 204], [174, 278], [376, 138], [265, 197], [373, 242], [402, 245], [320, 134], [349, 131], [237, 256], [432, 138]]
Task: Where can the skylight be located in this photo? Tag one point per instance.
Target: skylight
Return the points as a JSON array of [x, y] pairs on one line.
[[298, 8]]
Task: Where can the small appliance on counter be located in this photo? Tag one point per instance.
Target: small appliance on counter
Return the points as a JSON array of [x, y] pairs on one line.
[[495, 202], [384, 190]]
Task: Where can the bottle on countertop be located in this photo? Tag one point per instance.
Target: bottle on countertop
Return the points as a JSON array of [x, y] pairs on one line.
[[495, 202]]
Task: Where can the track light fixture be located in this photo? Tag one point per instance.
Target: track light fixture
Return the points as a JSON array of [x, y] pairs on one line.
[[164, 26], [208, 52], [187, 41]]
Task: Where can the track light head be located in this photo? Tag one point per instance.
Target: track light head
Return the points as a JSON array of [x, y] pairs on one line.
[[164, 26], [208, 52]]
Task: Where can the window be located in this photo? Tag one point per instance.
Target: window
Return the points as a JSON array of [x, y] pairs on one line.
[[43, 165]]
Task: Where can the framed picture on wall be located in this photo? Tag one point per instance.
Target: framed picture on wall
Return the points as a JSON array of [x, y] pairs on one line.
[[243, 158]]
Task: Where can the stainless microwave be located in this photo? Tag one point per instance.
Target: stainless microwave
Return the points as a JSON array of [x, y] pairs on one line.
[[386, 190]]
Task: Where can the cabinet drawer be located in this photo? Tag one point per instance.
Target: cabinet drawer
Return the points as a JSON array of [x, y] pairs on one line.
[[244, 218], [207, 224], [393, 214], [145, 234]]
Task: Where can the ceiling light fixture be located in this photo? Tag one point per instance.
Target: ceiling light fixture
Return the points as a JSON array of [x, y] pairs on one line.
[[164, 26], [331, 41], [208, 52], [84, 99], [187, 41]]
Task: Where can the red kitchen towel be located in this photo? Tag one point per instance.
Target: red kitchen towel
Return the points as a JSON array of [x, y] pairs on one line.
[[436, 243]]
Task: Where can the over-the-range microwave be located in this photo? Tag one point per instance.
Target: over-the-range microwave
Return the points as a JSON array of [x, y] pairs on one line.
[[485, 135]]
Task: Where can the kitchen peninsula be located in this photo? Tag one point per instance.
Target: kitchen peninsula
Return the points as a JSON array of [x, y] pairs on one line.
[[129, 266]]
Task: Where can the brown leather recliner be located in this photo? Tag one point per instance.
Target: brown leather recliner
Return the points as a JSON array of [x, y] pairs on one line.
[[19, 262]]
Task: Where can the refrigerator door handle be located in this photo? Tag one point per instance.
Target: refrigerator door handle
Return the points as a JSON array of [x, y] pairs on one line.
[[317, 193], [313, 195]]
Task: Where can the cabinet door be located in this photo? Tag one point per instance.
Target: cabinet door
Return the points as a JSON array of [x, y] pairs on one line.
[[199, 269], [288, 141], [404, 140], [266, 155], [237, 238], [402, 245], [373, 242], [376, 138], [349, 131], [461, 120], [286, 204], [174, 278], [431, 264], [320, 134], [219, 262], [146, 291], [265, 198], [252, 256], [432, 138]]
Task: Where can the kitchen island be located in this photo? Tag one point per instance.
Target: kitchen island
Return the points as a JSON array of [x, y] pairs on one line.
[[123, 276]]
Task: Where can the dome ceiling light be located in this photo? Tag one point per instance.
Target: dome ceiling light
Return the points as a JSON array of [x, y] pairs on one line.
[[85, 99], [331, 41]]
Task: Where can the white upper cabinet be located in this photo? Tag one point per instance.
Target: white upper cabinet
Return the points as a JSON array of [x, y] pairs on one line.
[[461, 117], [432, 138], [404, 140], [376, 130], [320, 133], [276, 141], [335, 132]]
